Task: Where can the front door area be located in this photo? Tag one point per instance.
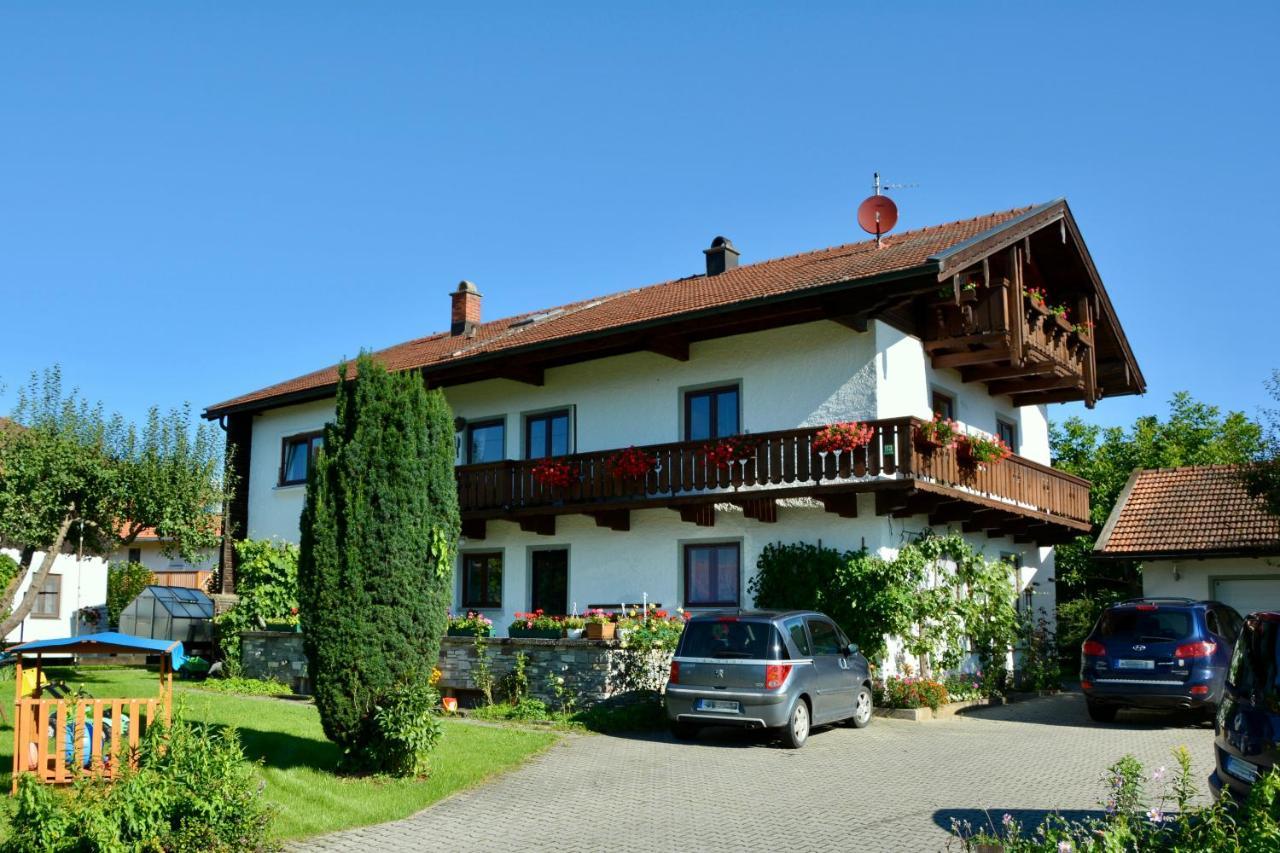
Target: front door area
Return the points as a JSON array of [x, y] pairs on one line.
[[550, 581]]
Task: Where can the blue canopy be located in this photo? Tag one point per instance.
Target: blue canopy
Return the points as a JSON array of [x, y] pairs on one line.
[[106, 643]]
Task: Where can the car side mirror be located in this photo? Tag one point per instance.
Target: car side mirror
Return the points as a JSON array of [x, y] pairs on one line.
[[851, 649]]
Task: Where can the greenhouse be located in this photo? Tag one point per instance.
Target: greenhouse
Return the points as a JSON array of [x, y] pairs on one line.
[[170, 613]]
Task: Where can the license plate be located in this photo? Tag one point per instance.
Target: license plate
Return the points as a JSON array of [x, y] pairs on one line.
[[1243, 770], [1135, 664], [721, 705]]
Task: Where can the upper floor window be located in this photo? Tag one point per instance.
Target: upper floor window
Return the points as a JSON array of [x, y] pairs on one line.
[[944, 404], [48, 601], [482, 580], [1008, 433], [712, 574], [135, 555], [486, 441], [711, 413], [298, 455], [546, 434]]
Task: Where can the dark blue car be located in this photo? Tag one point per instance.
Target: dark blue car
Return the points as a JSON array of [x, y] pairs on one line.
[[1159, 654], [1246, 746]]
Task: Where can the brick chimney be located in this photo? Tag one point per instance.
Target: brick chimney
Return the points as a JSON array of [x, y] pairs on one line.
[[465, 315], [721, 256]]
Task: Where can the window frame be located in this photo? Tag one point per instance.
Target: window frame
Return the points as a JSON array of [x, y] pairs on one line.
[[687, 567], [297, 438], [464, 580], [57, 599], [686, 405], [934, 395], [547, 415], [482, 423], [1003, 423], [134, 555], [809, 622]]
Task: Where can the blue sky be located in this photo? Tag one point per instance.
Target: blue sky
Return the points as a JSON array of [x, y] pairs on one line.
[[202, 199]]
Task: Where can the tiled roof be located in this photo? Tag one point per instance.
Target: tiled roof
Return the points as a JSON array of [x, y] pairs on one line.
[[900, 252], [1188, 511]]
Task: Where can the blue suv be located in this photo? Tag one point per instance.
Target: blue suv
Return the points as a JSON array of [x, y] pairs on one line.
[[1158, 653]]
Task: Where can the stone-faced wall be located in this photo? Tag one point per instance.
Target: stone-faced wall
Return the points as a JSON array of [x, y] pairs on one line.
[[275, 655]]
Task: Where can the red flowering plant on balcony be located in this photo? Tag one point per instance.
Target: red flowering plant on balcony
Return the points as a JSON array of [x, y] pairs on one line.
[[979, 451], [937, 434], [537, 620], [1085, 328], [842, 436], [724, 452], [632, 463], [1037, 295], [555, 474]]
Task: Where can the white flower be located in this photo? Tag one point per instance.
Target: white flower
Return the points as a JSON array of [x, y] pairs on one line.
[[1158, 775], [1155, 815], [1064, 847]]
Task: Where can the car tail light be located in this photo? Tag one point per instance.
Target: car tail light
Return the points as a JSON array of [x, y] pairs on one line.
[[1093, 649], [1200, 690], [675, 672], [1202, 649], [1146, 607], [1086, 685], [775, 674]]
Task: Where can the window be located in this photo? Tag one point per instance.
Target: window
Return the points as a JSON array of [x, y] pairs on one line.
[[1007, 431], [711, 574], [795, 627], [546, 434], [298, 455], [1211, 622], [486, 441], [825, 639], [944, 404], [482, 580], [736, 639], [711, 413], [48, 601], [135, 555]]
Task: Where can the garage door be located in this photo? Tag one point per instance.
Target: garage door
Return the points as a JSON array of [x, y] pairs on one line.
[[1248, 595]]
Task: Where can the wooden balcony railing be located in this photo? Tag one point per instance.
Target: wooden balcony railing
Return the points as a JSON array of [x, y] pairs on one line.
[[772, 463]]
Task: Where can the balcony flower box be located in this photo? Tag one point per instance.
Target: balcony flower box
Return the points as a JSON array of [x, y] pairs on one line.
[[938, 434], [536, 626], [474, 624], [601, 625], [535, 633], [976, 452]]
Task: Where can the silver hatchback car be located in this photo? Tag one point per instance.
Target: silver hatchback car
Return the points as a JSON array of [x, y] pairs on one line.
[[764, 669]]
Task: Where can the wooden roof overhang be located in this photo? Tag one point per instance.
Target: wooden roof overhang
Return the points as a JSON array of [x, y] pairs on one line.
[[1047, 234]]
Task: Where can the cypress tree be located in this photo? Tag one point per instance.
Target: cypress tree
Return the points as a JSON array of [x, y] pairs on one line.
[[378, 533]]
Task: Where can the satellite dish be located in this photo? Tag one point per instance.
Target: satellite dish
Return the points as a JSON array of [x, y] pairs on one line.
[[877, 215]]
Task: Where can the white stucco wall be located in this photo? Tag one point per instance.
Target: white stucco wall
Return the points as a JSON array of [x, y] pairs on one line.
[[84, 584], [274, 509], [154, 558], [1195, 578]]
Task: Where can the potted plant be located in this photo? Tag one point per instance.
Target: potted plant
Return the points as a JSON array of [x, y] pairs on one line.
[[555, 473], [937, 434], [600, 624], [979, 451], [725, 451], [574, 626], [836, 438], [1038, 299], [632, 465], [474, 624], [969, 292], [535, 626]]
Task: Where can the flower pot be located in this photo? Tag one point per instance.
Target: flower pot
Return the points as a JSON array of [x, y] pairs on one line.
[[968, 297], [464, 632], [573, 633], [598, 631], [534, 633], [450, 704]]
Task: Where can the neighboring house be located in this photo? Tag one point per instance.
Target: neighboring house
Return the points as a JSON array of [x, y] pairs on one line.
[[1198, 534], [74, 583], [148, 549], [940, 319]]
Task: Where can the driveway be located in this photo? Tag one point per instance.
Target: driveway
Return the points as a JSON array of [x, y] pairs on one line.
[[892, 786]]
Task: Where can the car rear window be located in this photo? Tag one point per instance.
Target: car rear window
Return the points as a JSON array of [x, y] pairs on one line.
[[1146, 624], [731, 639]]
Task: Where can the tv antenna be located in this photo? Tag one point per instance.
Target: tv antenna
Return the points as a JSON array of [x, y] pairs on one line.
[[878, 214]]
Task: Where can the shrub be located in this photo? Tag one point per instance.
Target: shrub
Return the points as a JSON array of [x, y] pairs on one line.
[[125, 581], [407, 729], [267, 586], [196, 793], [908, 692], [378, 534]]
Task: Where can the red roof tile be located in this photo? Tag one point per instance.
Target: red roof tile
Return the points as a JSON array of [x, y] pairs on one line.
[[1188, 511], [904, 251]]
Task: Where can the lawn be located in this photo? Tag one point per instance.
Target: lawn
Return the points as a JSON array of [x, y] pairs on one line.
[[298, 762]]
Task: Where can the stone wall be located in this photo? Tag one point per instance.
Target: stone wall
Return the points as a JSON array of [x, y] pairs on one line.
[[275, 655]]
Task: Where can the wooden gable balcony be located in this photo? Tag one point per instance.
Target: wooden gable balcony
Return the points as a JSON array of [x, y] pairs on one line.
[[1016, 497]]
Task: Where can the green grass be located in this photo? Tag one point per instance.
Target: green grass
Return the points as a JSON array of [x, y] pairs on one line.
[[298, 763]]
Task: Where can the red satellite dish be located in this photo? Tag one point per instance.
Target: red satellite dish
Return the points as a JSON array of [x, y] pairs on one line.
[[877, 215]]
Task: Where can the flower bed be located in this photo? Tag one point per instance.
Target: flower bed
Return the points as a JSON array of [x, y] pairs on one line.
[[908, 692]]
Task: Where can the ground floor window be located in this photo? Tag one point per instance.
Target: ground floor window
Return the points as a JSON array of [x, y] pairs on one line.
[[48, 603], [712, 574], [482, 580]]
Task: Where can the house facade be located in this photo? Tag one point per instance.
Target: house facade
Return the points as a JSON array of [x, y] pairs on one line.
[[75, 582], [1198, 534], [148, 549], [723, 382]]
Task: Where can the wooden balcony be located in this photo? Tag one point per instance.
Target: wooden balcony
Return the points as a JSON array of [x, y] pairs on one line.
[[1016, 497]]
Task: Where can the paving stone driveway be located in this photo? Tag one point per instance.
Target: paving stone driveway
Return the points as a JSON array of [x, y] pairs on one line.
[[892, 786]]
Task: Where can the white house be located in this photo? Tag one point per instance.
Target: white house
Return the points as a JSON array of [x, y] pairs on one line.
[[148, 549], [939, 320], [75, 582], [1199, 535]]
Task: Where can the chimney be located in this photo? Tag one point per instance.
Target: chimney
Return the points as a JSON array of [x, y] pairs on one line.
[[465, 315], [721, 256]]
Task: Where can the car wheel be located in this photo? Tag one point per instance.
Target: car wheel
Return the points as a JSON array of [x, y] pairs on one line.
[[796, 732], [1101, 713], [684, 731], [861, 709]]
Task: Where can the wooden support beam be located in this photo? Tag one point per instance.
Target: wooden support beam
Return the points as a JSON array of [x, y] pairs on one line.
[[614, 519], [858, 322], [844, 504], [522, 373], [1006, 371], [673, 348], [984, 519], [1036, 398], [942, 344], [1017, 310], [964, 359], [949, 511], [764, 510], [474, 528], [543, 525], [703, 515], [890, 501], [1024, 386]]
